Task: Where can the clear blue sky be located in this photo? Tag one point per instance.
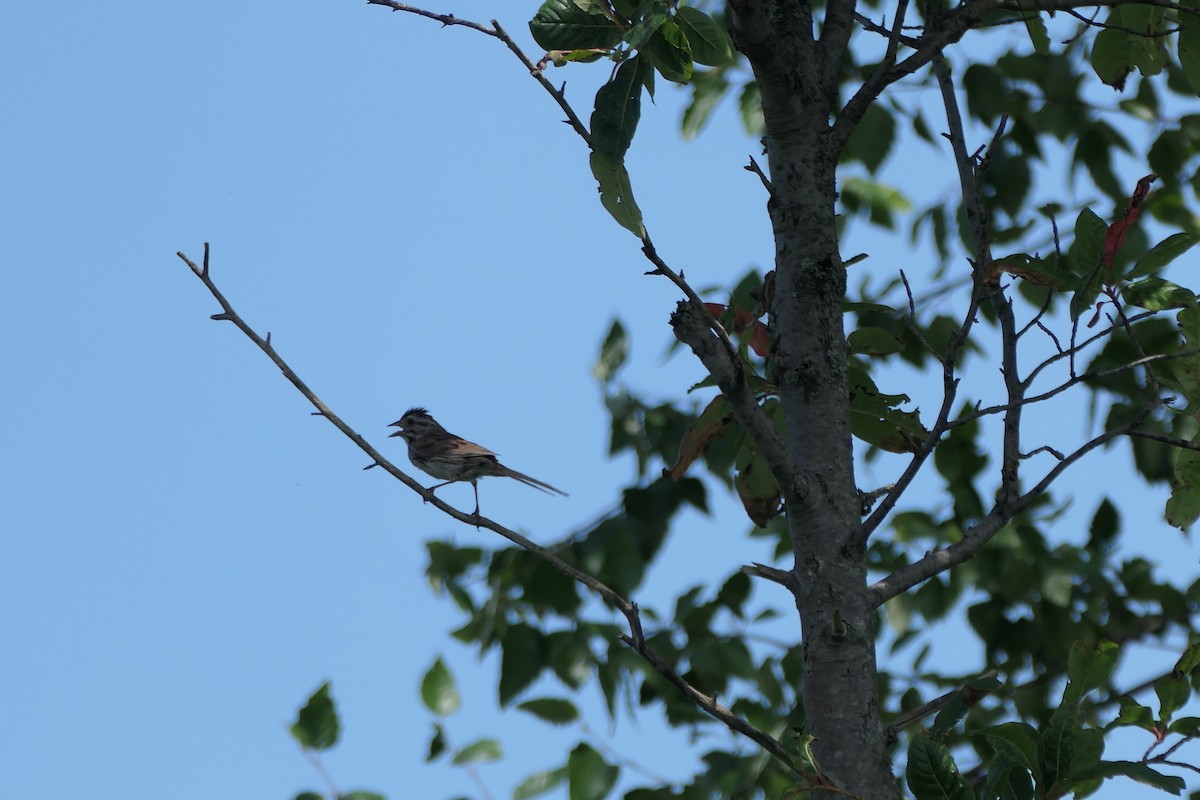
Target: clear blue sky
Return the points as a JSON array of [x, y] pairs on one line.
[[188, 553]]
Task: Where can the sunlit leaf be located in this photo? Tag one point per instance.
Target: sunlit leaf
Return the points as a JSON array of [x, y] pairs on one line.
[[438, 690], [479, 752], [563, 25], [710, 43]]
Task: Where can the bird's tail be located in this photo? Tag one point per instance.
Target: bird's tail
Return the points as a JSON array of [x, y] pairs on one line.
[[528, 481]]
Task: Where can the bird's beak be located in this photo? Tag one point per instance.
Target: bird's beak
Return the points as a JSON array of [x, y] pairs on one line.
[[394, 435], [396, 424]]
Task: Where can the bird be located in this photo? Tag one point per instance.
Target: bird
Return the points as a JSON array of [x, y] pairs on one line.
[[434, 450]]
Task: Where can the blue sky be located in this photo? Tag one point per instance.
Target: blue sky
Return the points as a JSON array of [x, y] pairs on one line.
[[189, 553]]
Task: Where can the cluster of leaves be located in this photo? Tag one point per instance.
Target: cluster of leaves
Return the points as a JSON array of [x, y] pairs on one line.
[[1064, 757], [644, 38], [1098, 283]]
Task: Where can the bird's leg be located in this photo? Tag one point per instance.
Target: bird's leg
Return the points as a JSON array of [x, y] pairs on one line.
[[475, 486]]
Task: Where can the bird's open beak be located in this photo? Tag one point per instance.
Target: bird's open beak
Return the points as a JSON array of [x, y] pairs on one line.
[[394, 435]]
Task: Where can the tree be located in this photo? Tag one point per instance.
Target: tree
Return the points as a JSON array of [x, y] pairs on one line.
[[1080, 316]]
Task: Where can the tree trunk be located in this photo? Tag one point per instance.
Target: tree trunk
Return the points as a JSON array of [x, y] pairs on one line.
[[797, 78]]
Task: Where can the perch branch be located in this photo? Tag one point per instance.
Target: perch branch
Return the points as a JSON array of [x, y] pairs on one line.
[[634, 639]]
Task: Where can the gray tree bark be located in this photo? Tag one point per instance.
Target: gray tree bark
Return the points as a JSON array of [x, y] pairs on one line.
[[797, 74]]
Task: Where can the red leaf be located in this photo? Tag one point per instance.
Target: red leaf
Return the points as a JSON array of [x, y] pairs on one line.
[[760, 340], [1115, 236]]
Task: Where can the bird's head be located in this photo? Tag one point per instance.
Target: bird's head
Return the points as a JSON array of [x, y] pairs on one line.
[[415, 422]]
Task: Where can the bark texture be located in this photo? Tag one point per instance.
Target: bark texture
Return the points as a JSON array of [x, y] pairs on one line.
[[797, 73]]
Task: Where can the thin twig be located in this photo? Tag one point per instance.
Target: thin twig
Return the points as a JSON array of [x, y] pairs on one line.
[[498, 32], [1078, 379], [757, 170]]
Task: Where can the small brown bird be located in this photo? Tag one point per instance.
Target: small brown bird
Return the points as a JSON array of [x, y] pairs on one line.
[[433, 449]]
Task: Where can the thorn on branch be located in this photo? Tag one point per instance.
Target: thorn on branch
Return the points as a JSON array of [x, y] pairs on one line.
[[205, 273], [370, 466], [222, 317]]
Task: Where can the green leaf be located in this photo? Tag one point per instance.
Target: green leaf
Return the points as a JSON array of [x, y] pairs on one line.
[[876, 419], [872, 138], [617, 110], [613, 353], [539, 783], [359, 794], [879, 200], [590, 777], [1155, 294], [1113, 54], [316, 726], [1036, 27], [932, 773], [710, 42], [707, 90], [551, 709], [522, 659], [1089, 746], [564, 25], [1084, 258], [669, 52], [1105, 524], [1172, 693], [1139, 772], [1089, 668], [1018, 742], [1163, 254], [1185, 370], [750, 105], [437, 744], [1189, 662], [479, 752], [1184, 506], [874, 342], [950, 715], [616, 194], [1189, 49], [1185, 726], [438, 692], [308, 796]]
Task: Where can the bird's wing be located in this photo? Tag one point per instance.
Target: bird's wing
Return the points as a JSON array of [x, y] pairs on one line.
[[452, 447]]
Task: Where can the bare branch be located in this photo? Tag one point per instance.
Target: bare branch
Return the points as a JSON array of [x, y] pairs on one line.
[[636, 639], [857, 106], [1183, 444], [497, 32], [1082, 378], [970, 694], [757, 170]]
